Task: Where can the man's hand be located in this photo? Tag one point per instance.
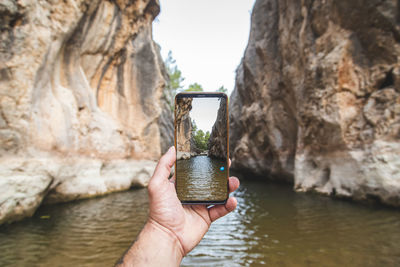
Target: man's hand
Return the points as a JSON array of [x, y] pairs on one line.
[[172, 230], [189, 223]]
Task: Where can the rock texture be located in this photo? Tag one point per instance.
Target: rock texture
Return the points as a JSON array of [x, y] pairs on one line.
[[317, 97], [81, 97], [217, 144], [183, 127], [25, 184]]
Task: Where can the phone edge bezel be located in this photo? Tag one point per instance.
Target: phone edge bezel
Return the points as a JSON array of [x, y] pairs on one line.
[[205, 94]]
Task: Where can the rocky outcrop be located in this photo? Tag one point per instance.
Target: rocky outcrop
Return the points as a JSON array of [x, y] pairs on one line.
[[25, 184], [317, 97], [81, 87], [217, 144], [183, 127]]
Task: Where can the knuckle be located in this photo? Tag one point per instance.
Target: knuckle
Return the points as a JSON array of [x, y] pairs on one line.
[[152, 187]]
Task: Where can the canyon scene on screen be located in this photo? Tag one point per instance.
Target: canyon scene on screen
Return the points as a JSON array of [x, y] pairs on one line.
[[83, 108], [202, 140]]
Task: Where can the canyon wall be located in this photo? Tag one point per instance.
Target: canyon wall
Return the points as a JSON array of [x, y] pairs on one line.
[[183, 127], [217, 144], [82, 109], [317, 97]]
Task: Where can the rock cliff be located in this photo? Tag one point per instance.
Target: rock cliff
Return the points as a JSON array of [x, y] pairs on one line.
[[81, 99], [183, 127], [317, 97], [217, 144]]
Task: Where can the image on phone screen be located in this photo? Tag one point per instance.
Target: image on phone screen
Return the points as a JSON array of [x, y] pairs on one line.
[[201, 134]]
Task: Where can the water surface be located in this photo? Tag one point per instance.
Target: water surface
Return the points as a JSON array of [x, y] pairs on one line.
[[272, 225], [200, 178]]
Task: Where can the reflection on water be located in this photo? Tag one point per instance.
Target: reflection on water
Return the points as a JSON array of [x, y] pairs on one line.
[[271, 225], [92, 232], [201, 179], [275, 226]]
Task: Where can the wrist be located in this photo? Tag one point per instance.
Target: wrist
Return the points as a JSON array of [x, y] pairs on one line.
[[166, 236], [155, 246]]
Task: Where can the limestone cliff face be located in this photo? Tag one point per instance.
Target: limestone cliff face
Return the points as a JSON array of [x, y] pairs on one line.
[[317, 97], [183, 127], [81, 87], [217, 144]]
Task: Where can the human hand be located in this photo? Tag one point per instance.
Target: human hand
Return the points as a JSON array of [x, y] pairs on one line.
[[172, 230], [188, 223]]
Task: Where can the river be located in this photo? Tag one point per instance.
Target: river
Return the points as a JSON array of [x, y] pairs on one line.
[[201, 179], [272, 225]]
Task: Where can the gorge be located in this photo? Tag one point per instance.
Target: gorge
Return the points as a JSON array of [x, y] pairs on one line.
[[83, 110]]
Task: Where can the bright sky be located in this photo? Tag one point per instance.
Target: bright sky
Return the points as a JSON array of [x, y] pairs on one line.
[[207, 38], [204, 112]]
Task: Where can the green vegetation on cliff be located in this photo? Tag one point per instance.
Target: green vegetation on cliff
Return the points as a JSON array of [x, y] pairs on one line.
[[200, 138], [175, 79]]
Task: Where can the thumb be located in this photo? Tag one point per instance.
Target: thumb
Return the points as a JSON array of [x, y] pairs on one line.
[[163, 168]]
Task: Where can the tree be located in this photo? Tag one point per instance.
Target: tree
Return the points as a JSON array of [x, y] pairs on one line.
[[199, 137], [207, 137], [175, 80], [194, 87], [222, 89], [199, 140], [194, 127]]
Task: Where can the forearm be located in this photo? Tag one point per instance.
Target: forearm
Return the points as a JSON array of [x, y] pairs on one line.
[[155, 246]]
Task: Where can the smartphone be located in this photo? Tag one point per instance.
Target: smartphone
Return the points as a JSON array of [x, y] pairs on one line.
[[202, 147]]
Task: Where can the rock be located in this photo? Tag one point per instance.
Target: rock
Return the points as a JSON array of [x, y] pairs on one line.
[[22, 188], [183, 155], [84, 178], [217, 144], [166, 124], [183, 127], [90, 73], [82, 80], [316, 100], [25, 183]]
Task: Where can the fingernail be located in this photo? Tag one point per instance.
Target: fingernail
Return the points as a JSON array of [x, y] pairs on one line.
[[170, 149]]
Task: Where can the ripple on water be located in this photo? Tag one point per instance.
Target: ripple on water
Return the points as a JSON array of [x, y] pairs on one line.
[[272, 225]]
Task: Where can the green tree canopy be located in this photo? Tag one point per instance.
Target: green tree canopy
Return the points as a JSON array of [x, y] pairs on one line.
[[200, 138], [207, 136], [194, 87], [174, 84], [222, 89]]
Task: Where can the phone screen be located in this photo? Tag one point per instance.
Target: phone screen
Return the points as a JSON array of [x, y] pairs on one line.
[[201, 139]]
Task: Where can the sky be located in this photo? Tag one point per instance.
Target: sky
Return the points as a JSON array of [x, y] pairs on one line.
[[207, 38], [204, 112]]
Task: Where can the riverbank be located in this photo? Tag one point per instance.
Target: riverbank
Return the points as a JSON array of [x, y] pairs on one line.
[[25, 183], [188, 155]]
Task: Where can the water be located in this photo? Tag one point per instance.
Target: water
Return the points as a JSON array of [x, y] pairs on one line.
[[201, 179], [272, 225]]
